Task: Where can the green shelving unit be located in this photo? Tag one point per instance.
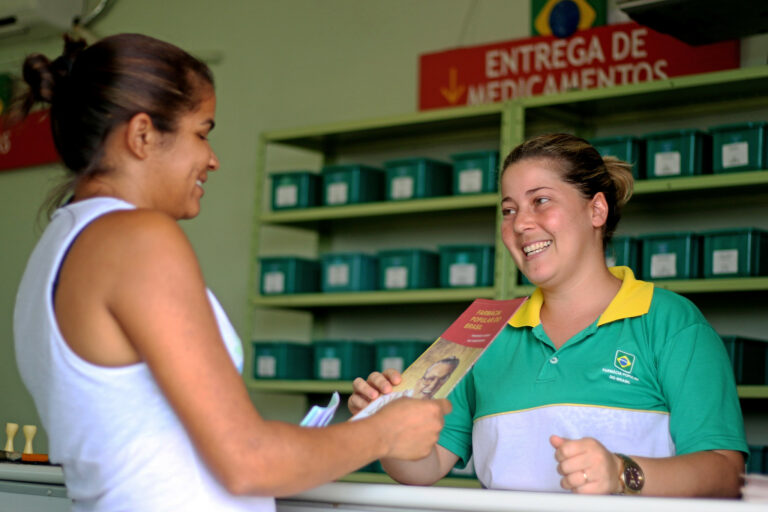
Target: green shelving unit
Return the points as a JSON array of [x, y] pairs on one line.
[[580, 112]]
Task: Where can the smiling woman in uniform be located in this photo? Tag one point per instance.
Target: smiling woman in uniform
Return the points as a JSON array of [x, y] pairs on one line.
[[600, 383]]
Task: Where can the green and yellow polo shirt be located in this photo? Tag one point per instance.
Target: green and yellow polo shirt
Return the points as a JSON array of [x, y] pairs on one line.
[[650, 377]]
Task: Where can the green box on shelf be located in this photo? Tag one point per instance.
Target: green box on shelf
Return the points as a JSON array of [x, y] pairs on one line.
[[466, 265], [282, 360], [289, 274], [749, 358], [623, 251], [739, 147], [373, 467], [408, 269], [343, 359], [677, 153], [417, 178], [351, 184], [475, 172], [670, 256], [297, 189], [398, 354], [735, 252], [758, 459], [627, 148], [349, 272]]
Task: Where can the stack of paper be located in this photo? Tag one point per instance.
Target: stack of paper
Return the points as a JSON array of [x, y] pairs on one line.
[[755, 488], [321, 416]]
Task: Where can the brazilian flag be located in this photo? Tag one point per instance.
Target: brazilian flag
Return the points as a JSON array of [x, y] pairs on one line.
[[562, 18], [5, 92]]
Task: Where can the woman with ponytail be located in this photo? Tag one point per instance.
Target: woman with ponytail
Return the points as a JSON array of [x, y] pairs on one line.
[[600, 383], [132, 363]]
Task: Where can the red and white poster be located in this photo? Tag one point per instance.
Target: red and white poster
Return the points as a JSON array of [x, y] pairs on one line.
[[604, 56], [28, 143]]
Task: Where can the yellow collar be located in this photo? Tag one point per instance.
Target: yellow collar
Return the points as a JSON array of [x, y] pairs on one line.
[[633, 299]]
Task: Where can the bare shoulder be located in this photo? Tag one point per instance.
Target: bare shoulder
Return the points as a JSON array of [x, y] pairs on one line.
[[126, 244], [137, 232]]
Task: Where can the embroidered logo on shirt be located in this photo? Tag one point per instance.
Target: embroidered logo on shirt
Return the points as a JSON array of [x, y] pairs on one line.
[[624, 361]]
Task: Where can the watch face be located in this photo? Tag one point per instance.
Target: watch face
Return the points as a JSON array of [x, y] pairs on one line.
[[633, 478]]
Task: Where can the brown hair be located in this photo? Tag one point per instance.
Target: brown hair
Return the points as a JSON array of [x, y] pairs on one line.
[[581, 165], [93, 89]]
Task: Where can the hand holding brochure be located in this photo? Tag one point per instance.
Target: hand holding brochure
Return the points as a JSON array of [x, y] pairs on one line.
[[437, 371]]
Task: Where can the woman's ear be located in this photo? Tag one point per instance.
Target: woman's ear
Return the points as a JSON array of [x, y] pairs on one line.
[[599, 207], [140, 133]]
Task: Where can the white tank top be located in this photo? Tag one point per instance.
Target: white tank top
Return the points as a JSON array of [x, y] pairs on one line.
[[120, 443]]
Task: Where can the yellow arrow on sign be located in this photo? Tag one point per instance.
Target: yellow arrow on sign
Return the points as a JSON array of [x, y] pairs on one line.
[[454, 91]]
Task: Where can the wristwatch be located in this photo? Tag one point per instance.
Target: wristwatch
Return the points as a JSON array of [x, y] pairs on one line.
[[632, 477]]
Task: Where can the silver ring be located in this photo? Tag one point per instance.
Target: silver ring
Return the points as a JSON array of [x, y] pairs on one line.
[[586, 479]]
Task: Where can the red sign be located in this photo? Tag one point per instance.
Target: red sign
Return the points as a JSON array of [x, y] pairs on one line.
[[599, 57], [28, 143]]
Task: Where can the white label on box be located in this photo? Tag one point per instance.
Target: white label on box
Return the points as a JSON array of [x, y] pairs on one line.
[[396, 277], [667, 164], [330, 368], [610, 261], [337, 193], [338, 274], [287, 195], [725, 261], [274, 282], [470, 180], [462, 274], [402, 187], [664, 265], [735, 154], [392, 362], [266, 366]]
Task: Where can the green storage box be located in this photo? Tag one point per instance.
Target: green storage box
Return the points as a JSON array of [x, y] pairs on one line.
[[342, 359], [398, 354], [627, 148], [289, 275], [351, 184], [282, 360], [735, 252], [739, 147], [408, 269], [749, 358], [670, 256], [475, 172], [299, 189], [466, 265], [677, 153], [416, 178], [758, 459], [349, 272], [623, 251]]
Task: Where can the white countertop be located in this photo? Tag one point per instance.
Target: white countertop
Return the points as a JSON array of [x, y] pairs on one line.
[[383, 497]]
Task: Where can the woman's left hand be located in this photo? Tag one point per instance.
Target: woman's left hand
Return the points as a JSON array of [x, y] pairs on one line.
[[586, 465]]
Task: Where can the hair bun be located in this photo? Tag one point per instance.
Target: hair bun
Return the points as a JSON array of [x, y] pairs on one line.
[[40, 78], [44, 77]]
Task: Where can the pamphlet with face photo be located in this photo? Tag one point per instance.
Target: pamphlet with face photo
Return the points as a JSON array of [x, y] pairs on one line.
[[437, 371]]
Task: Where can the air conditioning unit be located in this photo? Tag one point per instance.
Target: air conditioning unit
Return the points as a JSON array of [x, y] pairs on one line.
[[37, 18]]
